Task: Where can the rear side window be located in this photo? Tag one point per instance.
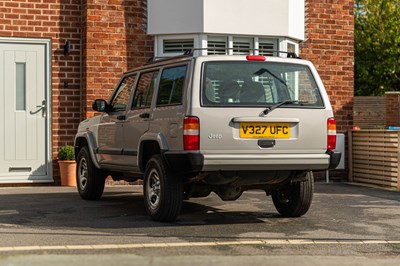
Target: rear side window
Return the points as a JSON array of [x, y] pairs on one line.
[[144, 90], [171, 85], [258, 83]]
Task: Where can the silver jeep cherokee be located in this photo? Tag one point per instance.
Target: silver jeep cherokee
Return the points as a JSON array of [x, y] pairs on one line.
[[192, 125]]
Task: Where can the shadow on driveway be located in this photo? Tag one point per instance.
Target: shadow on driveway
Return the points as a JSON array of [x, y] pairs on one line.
[[339, 210]]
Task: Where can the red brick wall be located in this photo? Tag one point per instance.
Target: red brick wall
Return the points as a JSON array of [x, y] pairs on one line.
[[59, 20], [392, 100], [114, 40], [329, 45]]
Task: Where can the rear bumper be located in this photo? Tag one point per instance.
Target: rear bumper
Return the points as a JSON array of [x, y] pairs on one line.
[[192, 162], [249, 162], [184, 162]]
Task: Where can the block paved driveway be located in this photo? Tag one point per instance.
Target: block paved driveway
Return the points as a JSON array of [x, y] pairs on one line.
[[345, 221]]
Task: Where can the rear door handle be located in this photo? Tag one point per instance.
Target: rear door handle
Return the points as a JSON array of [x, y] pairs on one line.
[[144, 115], [121, 117]]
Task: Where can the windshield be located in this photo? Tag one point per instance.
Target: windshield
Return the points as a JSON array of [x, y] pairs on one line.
[[227, 83]]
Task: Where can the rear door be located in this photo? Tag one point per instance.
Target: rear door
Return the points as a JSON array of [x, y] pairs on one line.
[[139, 116], [234, 95]]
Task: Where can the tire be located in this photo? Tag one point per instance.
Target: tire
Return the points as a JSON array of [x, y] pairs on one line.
[[163, 191], [89, 179], [294, 199]]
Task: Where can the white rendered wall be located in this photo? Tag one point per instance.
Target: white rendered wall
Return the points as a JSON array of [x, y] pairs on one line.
[[297, 19], [174, 16], [281, 18]]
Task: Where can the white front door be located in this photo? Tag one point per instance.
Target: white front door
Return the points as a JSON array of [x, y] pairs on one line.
[[24, 83]]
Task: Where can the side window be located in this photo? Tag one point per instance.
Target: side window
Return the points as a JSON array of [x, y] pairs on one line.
[[123, 93], [144, 90], [171, 85]]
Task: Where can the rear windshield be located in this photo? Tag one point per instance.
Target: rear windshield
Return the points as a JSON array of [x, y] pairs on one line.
[[227, 83]]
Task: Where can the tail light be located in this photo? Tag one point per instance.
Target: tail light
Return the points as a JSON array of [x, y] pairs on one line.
[[191, 133], [331, 145]]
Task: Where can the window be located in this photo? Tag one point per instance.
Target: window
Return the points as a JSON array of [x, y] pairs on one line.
[[122, 95], [217, 44], [243, 45], [177, 45], [171, 86], [144, 90], [266, 47], [20, 86], [172, 45], [291, 47], [258, 84]]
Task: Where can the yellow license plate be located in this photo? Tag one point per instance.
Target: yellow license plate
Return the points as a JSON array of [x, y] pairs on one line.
[[256, 130]]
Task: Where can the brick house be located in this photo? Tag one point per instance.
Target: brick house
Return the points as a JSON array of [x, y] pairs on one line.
[[57, 56]]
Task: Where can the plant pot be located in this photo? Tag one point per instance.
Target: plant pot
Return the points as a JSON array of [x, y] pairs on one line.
[[68, 173]]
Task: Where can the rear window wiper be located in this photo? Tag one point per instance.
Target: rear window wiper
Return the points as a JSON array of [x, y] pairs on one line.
[[273, 107]]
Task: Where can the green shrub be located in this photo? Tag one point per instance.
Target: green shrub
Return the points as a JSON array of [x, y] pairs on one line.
[[66, 153]]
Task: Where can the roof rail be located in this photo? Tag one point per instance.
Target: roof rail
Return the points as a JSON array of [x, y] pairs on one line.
[[190, 52], [156, 59]]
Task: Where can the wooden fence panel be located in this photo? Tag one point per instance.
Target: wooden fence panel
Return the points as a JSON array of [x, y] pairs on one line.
[[374, 157]]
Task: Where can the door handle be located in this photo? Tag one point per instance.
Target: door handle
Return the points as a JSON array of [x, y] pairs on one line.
[[121, 117], [144, 115], [41, 108]]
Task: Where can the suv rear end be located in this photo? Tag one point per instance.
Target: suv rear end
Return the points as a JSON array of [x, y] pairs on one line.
[[237, 130], [262, 123]]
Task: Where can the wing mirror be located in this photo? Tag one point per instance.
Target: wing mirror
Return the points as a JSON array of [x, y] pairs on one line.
[[100, 105]]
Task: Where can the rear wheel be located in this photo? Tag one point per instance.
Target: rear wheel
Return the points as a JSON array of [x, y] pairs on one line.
[[294, 199], [89, 179], [163, 191]]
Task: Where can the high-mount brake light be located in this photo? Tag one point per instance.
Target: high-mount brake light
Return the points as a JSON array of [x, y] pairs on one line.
[[331, 145], [191, 133], [255, 58]]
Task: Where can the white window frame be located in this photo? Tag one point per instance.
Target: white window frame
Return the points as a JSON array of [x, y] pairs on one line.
[[201, 41], [273, 41], [243, 39], [159, 43], [283, 45], [217, 38]]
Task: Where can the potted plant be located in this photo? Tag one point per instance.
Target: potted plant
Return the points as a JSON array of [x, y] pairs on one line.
[[66, 161]]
